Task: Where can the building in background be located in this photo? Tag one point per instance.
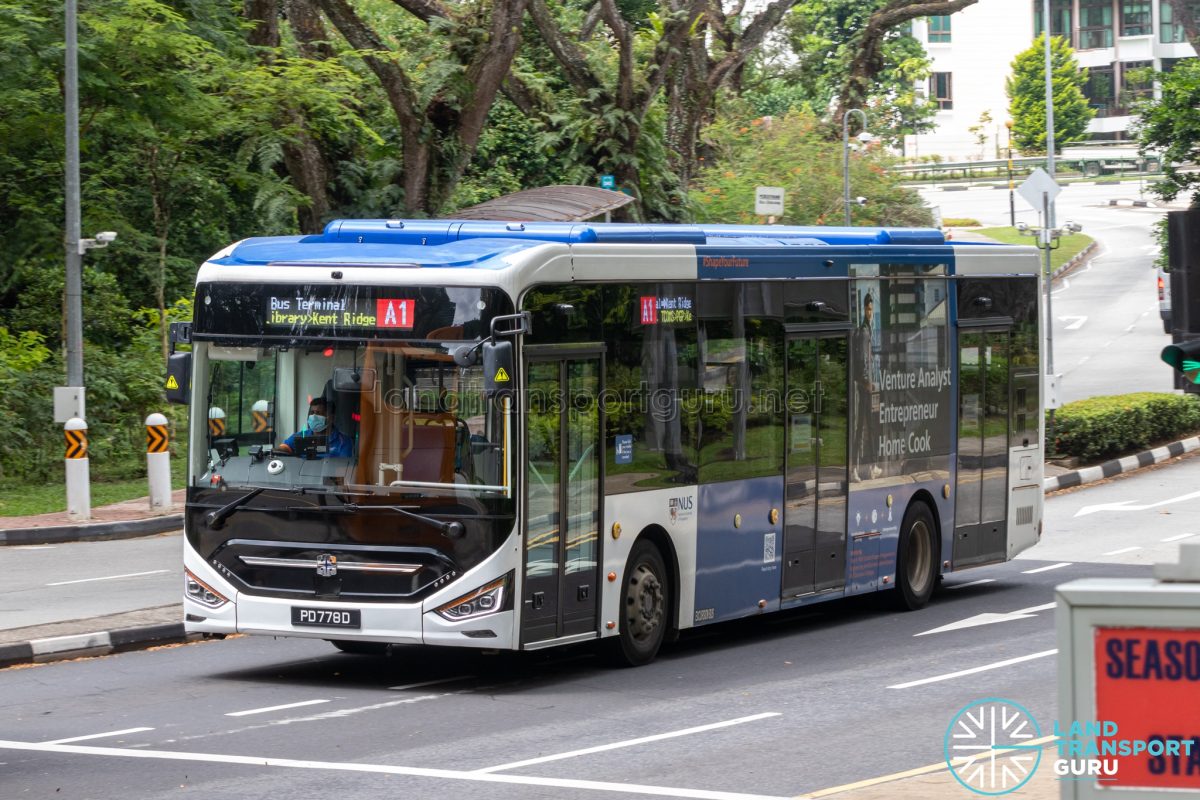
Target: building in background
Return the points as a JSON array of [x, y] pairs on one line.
[[972, 54]]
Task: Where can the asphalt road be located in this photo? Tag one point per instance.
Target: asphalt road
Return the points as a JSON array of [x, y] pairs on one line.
[[1107, 330], [779, 706]]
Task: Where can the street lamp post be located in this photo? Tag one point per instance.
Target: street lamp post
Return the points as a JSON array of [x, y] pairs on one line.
[[1012, 206], [846, 157]]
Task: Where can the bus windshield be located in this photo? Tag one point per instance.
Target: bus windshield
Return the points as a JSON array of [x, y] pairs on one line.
[[379, 418]]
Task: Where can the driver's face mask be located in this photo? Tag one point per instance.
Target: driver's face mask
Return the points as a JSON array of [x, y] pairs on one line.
[[316, 423]]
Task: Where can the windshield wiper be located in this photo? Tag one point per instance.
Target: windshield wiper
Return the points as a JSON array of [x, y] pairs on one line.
[[453, 529], [216, 519]]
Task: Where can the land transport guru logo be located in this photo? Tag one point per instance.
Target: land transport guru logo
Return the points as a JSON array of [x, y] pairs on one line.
[[988, 746], [993, 746]]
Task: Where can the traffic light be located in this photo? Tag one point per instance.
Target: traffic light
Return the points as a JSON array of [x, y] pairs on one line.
[[1185, 357]]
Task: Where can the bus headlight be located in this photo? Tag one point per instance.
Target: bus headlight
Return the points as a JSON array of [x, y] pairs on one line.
[[201, 592], [485, 600]]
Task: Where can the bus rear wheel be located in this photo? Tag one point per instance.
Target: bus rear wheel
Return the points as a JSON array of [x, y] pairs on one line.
[[360, 648], [916, 558], [644, 607]]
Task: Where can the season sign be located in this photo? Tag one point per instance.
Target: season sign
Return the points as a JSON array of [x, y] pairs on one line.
[[340, 312], [666, 310]]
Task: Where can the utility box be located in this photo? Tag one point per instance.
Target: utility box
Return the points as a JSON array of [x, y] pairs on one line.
[[1129, 685], [68, 403]]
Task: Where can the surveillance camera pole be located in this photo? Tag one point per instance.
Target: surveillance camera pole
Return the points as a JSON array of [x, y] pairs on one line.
[[74, 280], [846, 157]]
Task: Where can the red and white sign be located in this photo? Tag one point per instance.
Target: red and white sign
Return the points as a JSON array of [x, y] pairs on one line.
[[649, 310], [1148, 683], [394, 313]]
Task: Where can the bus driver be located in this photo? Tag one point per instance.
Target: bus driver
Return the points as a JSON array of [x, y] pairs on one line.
[[337, 444]]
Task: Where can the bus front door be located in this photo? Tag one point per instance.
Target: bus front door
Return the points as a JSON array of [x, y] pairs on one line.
[[981, 506], [562, 496], [814, 539]]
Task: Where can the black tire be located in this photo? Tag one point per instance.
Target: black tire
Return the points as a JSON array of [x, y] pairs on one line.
[[917, 555], [645, 606], [361, 648], [1167, 325]]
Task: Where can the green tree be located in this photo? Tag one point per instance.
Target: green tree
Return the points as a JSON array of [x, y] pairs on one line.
[[1169, 128], [1026, 89], [793, 151]]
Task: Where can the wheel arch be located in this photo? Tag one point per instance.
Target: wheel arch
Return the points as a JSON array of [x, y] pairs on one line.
[[658, 536], [924, 496]]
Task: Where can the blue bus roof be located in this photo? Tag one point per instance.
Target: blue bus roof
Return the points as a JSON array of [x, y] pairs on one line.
[[458, 243]]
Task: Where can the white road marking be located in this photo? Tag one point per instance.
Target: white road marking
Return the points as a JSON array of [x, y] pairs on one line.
[[1177, 538], [987, 618], [429, 683], [110, 577], [1119, 552], [386, 769], [629, 742], [34, 547], [275, 708], [1073, 326], [99, 735], [1047, 569], [1131, 327], [1127, 505], [972, 583], [973, 670]]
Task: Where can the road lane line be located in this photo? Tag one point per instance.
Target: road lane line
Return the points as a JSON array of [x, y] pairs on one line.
[[99, 735], [629, 742], [1119, 552], [428, 683], [972, 583], [34, 547], [275, 708], [110, 577], [973, 670], [1177, 538], [1035, 609], [912, 773], [1047, 569], [387, 769]]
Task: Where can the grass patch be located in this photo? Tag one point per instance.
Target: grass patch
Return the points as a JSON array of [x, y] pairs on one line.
[[1068, 246], [51, 497], [960, 222]]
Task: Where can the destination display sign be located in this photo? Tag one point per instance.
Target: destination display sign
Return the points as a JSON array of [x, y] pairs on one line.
[[344, 312]]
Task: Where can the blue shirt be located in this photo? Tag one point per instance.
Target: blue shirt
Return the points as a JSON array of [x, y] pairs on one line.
[[337, 446]]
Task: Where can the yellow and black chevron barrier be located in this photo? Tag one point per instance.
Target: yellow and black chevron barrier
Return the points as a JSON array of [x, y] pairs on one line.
[[157, 440], [76, 443], [261, 421]]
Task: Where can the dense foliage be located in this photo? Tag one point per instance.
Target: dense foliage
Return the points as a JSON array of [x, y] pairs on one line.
[[1104, 427], [1026, 89], [206, 122], [1169, 128]]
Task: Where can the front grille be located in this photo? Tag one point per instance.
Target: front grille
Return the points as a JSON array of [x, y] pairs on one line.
[[360, 573]]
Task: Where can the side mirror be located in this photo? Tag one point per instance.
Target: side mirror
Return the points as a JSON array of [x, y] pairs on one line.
[[498, 369], [178, 388]]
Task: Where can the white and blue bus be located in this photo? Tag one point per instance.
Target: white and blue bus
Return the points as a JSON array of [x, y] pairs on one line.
[[515, 436]]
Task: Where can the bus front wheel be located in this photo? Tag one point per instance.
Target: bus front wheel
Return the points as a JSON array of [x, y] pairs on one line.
[[644, 607], [916, 558]]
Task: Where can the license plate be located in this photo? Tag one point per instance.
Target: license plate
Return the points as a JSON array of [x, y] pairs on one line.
[[327, 617]]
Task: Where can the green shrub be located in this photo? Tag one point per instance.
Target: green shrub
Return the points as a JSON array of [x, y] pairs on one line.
[[1104, 427]]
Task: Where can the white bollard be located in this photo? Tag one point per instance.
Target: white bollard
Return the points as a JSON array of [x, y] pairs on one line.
[[158, 462], [79, 489]]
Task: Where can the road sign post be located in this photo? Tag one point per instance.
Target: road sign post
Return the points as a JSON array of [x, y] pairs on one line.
[[768, 201], [158, 462], [79, 490]]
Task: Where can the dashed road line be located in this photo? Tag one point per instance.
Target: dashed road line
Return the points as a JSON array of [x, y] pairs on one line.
[[979, 582], [99, 735], [973, 670], [428, 683], [630, 742], [1047, 569], [1177, 538], [110, 577], [1122, 550], [275, 708]]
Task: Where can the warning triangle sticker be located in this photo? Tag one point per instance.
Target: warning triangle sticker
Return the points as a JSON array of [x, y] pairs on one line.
[[501, 375], [172, 383]]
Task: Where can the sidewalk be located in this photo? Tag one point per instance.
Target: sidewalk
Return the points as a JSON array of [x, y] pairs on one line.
[[116, 521]]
